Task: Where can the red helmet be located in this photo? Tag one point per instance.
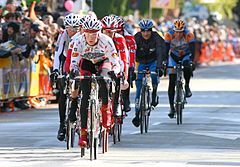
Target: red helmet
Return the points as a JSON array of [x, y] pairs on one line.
[[109, 22], [120, 23]]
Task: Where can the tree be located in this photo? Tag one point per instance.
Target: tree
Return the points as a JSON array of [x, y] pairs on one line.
[[106, 7]]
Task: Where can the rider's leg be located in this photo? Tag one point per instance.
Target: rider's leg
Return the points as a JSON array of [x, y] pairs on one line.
[[116, 96], [85, 87], [171, 94], [138, 82], [187, 77], [62, 110], [104, 68], [125, 96], [86, 69], [154, 84], [74, 105]]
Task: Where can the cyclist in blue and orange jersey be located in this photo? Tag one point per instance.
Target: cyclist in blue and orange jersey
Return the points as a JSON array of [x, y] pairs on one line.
[[179, 47], [131, 44], [150, 53], [71, 23], [93, 53], [110, 26]]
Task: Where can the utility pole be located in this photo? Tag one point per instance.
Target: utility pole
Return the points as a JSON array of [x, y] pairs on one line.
[[150, 9]]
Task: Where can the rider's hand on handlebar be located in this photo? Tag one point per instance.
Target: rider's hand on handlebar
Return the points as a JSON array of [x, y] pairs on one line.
[[159, 71], [74, 72], [124, 85], [54, 75], [132, 74]]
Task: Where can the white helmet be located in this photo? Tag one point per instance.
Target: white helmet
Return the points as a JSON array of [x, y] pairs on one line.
[[72, 20], [92, 25]]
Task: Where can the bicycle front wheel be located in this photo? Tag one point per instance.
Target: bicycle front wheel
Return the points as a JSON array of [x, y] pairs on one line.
[[147, 110], [179, 103], [142, 109]]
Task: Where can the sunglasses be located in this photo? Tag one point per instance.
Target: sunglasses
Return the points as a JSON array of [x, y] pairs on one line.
[[73, 29], [150, 29]]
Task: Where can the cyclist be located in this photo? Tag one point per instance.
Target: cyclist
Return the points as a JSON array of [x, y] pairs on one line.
[[179, 46], [131, 44], [149, 53], [94, 53], [71, 23], [110, 26]]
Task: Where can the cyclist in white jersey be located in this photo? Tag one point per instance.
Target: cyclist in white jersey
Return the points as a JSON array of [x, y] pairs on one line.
[[93, 53], [71, 23]]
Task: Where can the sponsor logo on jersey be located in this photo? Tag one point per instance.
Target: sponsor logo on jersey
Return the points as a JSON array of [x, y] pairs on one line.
[[114, 55], [75, 54]]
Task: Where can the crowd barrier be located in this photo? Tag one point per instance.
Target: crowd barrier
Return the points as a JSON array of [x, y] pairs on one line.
[[25, 78]]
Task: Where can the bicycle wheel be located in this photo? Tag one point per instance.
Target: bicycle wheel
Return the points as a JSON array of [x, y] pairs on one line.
[[95, 148], [68, 128], [104, 140], [147, 110], [179, 98], [68, 135], [92, 127], [142, 110], [115, 132]]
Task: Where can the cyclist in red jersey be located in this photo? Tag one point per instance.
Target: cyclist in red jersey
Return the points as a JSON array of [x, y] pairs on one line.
[[109, 24], [131, 45]]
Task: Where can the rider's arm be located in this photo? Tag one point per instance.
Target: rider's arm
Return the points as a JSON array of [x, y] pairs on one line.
[[191, 41], [75, 55], [123, 51], [132, 50], [68, 59], [167, 38], [160, 50], [111, 53], [59, 51]]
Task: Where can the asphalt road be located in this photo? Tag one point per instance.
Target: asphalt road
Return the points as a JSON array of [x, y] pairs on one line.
[[209, 135]]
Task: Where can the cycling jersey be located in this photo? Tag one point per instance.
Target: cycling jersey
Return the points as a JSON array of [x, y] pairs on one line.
[[179, 47], [104, 49], [61, 50], [69, 52], [131, 44], [121, 46], [150, 50]]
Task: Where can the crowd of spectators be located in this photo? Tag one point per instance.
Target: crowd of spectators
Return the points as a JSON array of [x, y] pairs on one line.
[[36, 33]]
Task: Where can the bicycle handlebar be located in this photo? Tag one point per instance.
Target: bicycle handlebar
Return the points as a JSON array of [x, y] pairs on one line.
[[92, 77], [146, 72]]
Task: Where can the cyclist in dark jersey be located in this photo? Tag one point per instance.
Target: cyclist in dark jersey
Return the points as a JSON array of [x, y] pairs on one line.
[[149, 53]]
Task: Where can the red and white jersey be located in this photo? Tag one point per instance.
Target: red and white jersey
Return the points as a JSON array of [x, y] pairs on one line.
[[102, 50], [120, 44], [132, 46]]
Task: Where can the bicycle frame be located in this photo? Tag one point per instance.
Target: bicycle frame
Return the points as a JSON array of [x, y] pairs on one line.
[[180, 98], [145, 99], [94, 128]]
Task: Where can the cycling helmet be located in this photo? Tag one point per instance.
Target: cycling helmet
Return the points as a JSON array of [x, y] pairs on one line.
[[145, 24], [72, 20], [81, 21], [92, 25], [120, 23], [179, 25], [109, 22]]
